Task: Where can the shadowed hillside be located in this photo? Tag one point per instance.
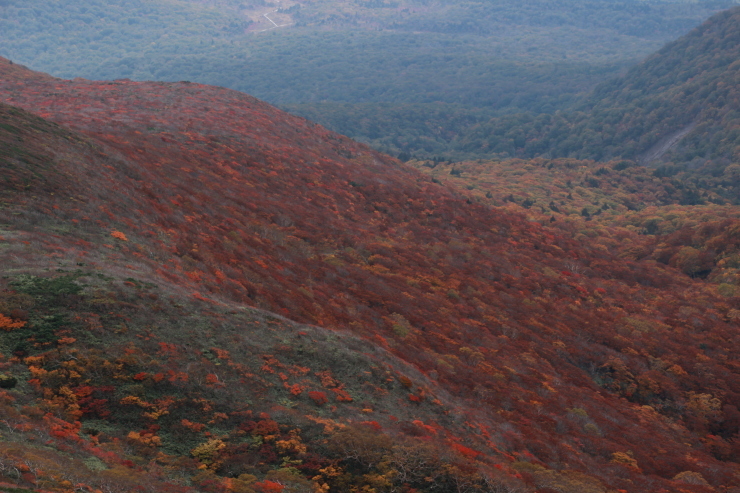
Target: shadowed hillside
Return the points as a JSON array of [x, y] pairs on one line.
[[679, 107]]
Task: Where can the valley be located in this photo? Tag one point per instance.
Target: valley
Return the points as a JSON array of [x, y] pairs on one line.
[[201, 292], [379, 72]]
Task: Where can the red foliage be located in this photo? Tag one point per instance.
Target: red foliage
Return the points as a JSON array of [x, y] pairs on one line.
[[62, 429], [250, 205], [342, 395], [212, 379], [265, 427], [196, 427], [268, 487], [94, 407], [465, 451], [374, 425], [318, 397]]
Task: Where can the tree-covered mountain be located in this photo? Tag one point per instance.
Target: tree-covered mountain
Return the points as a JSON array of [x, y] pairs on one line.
[[357, 57], [679, 108], [648, 20], [163, 243]]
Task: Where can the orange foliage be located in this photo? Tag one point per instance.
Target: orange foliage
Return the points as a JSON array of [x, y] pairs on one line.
[[268, 487], [8, 324], [196, 427], [119, 235], [342, 395]]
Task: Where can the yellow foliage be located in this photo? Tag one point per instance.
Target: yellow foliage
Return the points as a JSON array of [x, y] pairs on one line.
[[37, 372], [691, 477], [548, 387], [293, 445], [330, 426], [155, 415], [677, 370], [135, 401], [331, 472], [206, 452], [564, 481], [240, 484], [62, 400], [703, 406], [378, 482], [401, 326], [625, 459], [472, 356], [291, 479], [34, 360], [146, 440], [321, 488]]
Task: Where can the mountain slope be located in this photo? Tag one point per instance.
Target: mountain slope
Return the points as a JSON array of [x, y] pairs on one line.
[[112, 372], [678, 106], [542, 361], [640, 212], [368, 56]]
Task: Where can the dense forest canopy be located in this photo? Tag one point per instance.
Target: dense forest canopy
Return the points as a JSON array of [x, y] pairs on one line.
[[679, 108], [161, 241], [485, 58], [644, 19]]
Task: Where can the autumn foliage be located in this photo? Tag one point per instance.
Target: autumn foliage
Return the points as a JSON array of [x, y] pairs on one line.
[[451, 344]]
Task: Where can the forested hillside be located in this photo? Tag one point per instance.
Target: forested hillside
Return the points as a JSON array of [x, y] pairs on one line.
[[162, 243], [675, 219], [679, 108], [368, 59]]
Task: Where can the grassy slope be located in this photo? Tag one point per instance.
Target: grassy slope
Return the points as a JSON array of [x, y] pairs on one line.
[[532, 351]]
